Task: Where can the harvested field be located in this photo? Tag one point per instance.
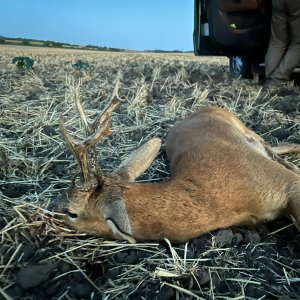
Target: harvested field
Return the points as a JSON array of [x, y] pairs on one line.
[[41, 259]]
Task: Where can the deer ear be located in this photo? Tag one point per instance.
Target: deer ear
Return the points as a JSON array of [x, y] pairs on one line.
[[139, 160], [116, 217]]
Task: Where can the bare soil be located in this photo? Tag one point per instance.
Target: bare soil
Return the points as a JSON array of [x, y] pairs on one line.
[[42, 259]]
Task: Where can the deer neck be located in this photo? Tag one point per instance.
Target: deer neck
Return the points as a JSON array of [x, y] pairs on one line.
[[165, 209]]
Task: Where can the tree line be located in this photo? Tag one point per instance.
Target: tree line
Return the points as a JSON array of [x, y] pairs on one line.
[[53, 44]]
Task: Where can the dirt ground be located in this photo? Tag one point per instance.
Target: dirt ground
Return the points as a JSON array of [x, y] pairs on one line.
[[42, 259]]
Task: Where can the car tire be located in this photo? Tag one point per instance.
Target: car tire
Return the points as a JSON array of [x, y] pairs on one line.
[[240, 67]]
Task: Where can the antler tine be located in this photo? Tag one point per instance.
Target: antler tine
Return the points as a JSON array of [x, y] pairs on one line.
[[87, 125], [100, 131], [94, 138], [114, 102], [97, 131], [80, 151]]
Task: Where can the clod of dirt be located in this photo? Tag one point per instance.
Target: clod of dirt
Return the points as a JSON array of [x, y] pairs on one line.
[[120, 256], [113, 273], [224, 287], [96, 269], [295, 244], [78, 276], [13, 190], [224, 237], [131, 258], [290, 233], [215, 281], [252, 237], [32, 276], [281, 133], [15, 292], [27, 252], [65, 267], [81, 290], [59, 168], [296, 262], [126, 257], [166, 293], [3, 249], [49, 130], [237, 239], [202, 276], [256, 293], [52, 290], [182, 253]]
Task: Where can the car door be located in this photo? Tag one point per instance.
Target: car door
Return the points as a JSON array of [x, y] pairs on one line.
[[239, 29]]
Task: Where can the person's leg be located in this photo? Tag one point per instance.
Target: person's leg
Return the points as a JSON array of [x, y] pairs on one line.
[[279, 37], [291, 58]]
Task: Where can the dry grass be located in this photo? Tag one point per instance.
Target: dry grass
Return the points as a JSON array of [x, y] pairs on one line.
[[158, 90]]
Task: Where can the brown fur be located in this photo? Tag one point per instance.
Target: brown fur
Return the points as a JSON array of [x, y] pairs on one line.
[[222, 174]]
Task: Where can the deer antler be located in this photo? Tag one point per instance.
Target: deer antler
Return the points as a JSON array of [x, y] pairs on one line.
[[94, 132]]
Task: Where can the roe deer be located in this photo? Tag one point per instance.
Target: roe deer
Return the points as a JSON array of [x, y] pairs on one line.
[[222, 174]]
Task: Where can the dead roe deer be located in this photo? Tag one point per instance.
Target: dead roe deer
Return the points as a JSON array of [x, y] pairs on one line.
[[222, 174]]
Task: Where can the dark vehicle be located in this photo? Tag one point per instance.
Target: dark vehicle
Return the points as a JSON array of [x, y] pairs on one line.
[[239, 29]]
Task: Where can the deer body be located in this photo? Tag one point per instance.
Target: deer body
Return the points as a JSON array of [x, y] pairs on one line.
[[222, 174], [220, 177]]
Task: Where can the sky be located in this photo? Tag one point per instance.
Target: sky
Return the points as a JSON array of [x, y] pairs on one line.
[[127, 24]]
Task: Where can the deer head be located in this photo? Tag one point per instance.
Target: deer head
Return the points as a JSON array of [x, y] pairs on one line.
[[94, 203]]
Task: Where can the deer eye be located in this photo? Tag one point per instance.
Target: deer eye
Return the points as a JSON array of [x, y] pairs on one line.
[[72, 216]]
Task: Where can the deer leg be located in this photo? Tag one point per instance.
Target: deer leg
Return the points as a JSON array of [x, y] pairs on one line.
[[274, 151], [293, 207], [294, 200], [291, 148]]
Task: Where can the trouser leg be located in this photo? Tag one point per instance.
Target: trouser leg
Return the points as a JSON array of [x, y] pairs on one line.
[[279, 37], [291, 58]]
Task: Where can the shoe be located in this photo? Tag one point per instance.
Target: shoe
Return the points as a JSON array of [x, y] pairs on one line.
[[270, 82], [274, 83]]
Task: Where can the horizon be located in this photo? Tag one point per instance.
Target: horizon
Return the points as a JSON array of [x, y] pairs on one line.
[[62, 44], [141, 25]]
